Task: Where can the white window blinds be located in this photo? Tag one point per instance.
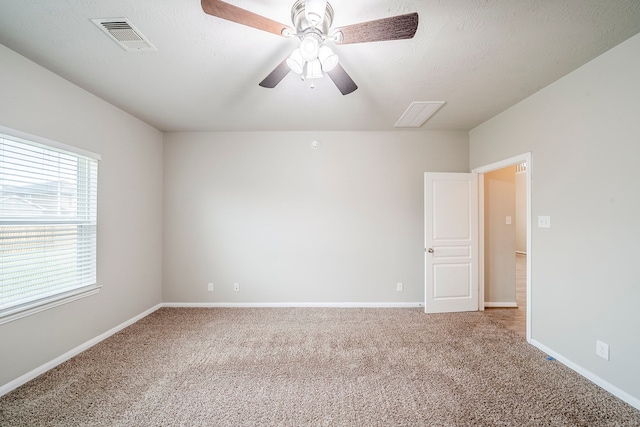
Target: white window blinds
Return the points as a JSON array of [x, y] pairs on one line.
[[48, 212]]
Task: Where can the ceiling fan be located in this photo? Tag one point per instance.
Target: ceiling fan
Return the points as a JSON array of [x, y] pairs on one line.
[[312, 21]]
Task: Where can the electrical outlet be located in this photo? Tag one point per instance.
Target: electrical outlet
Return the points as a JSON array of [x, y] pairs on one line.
[[210, 287], [602, 350], [236, 287], [399, 286]]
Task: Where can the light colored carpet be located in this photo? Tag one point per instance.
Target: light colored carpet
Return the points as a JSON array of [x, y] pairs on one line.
[[312, 367]]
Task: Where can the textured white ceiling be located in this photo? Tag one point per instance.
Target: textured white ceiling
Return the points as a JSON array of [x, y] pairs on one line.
[[480, 56]]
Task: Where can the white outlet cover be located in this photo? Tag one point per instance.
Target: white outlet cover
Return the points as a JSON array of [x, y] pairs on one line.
[[602, 349]]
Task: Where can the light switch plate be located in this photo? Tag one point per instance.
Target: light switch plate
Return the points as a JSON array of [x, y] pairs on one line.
[[508, 221], [544, 221]]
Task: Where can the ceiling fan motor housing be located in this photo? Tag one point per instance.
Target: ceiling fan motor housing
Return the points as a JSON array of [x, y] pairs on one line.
[[302, 25]]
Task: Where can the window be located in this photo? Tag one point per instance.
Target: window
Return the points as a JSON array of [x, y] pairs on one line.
[[48, 224]]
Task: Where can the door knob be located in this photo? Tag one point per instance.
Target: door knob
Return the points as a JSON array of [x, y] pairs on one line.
[[430, 250]]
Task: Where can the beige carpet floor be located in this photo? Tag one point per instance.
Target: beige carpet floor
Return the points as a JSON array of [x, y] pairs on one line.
[[313, 367]]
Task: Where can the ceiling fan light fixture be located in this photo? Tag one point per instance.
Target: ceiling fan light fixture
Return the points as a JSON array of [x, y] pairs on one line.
[[309, 47], [295, 62], [314, 69], [328, 59]]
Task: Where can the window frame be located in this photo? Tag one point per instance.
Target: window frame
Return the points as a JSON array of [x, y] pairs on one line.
[[19, 311]]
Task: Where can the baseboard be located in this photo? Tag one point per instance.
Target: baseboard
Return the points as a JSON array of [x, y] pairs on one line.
[[501, 305], [620, 394], [71, 353], [295, 304]]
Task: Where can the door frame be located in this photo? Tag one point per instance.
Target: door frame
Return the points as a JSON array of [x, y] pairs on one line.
[[526, 157]]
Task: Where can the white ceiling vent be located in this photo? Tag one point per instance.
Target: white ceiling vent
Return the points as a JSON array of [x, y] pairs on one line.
[[418, 113], [125, 34]]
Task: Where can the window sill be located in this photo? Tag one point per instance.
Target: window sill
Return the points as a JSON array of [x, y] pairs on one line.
[[15, 313]]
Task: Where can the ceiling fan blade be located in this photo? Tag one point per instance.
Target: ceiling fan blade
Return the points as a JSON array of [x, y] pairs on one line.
[[342, 80], [392, 28], [276, 76], [241, 16]]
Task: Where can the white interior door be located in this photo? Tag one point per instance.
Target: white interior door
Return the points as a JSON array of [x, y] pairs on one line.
[[451, 242]]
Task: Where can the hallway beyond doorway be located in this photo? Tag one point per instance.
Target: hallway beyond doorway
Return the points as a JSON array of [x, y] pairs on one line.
[[515, 318]]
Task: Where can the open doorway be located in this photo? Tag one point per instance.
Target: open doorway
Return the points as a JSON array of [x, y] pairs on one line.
[[505, 241]]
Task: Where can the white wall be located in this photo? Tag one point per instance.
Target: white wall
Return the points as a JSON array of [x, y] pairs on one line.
[[499, 237], [290, 224], [38, 102], [584, 135]]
